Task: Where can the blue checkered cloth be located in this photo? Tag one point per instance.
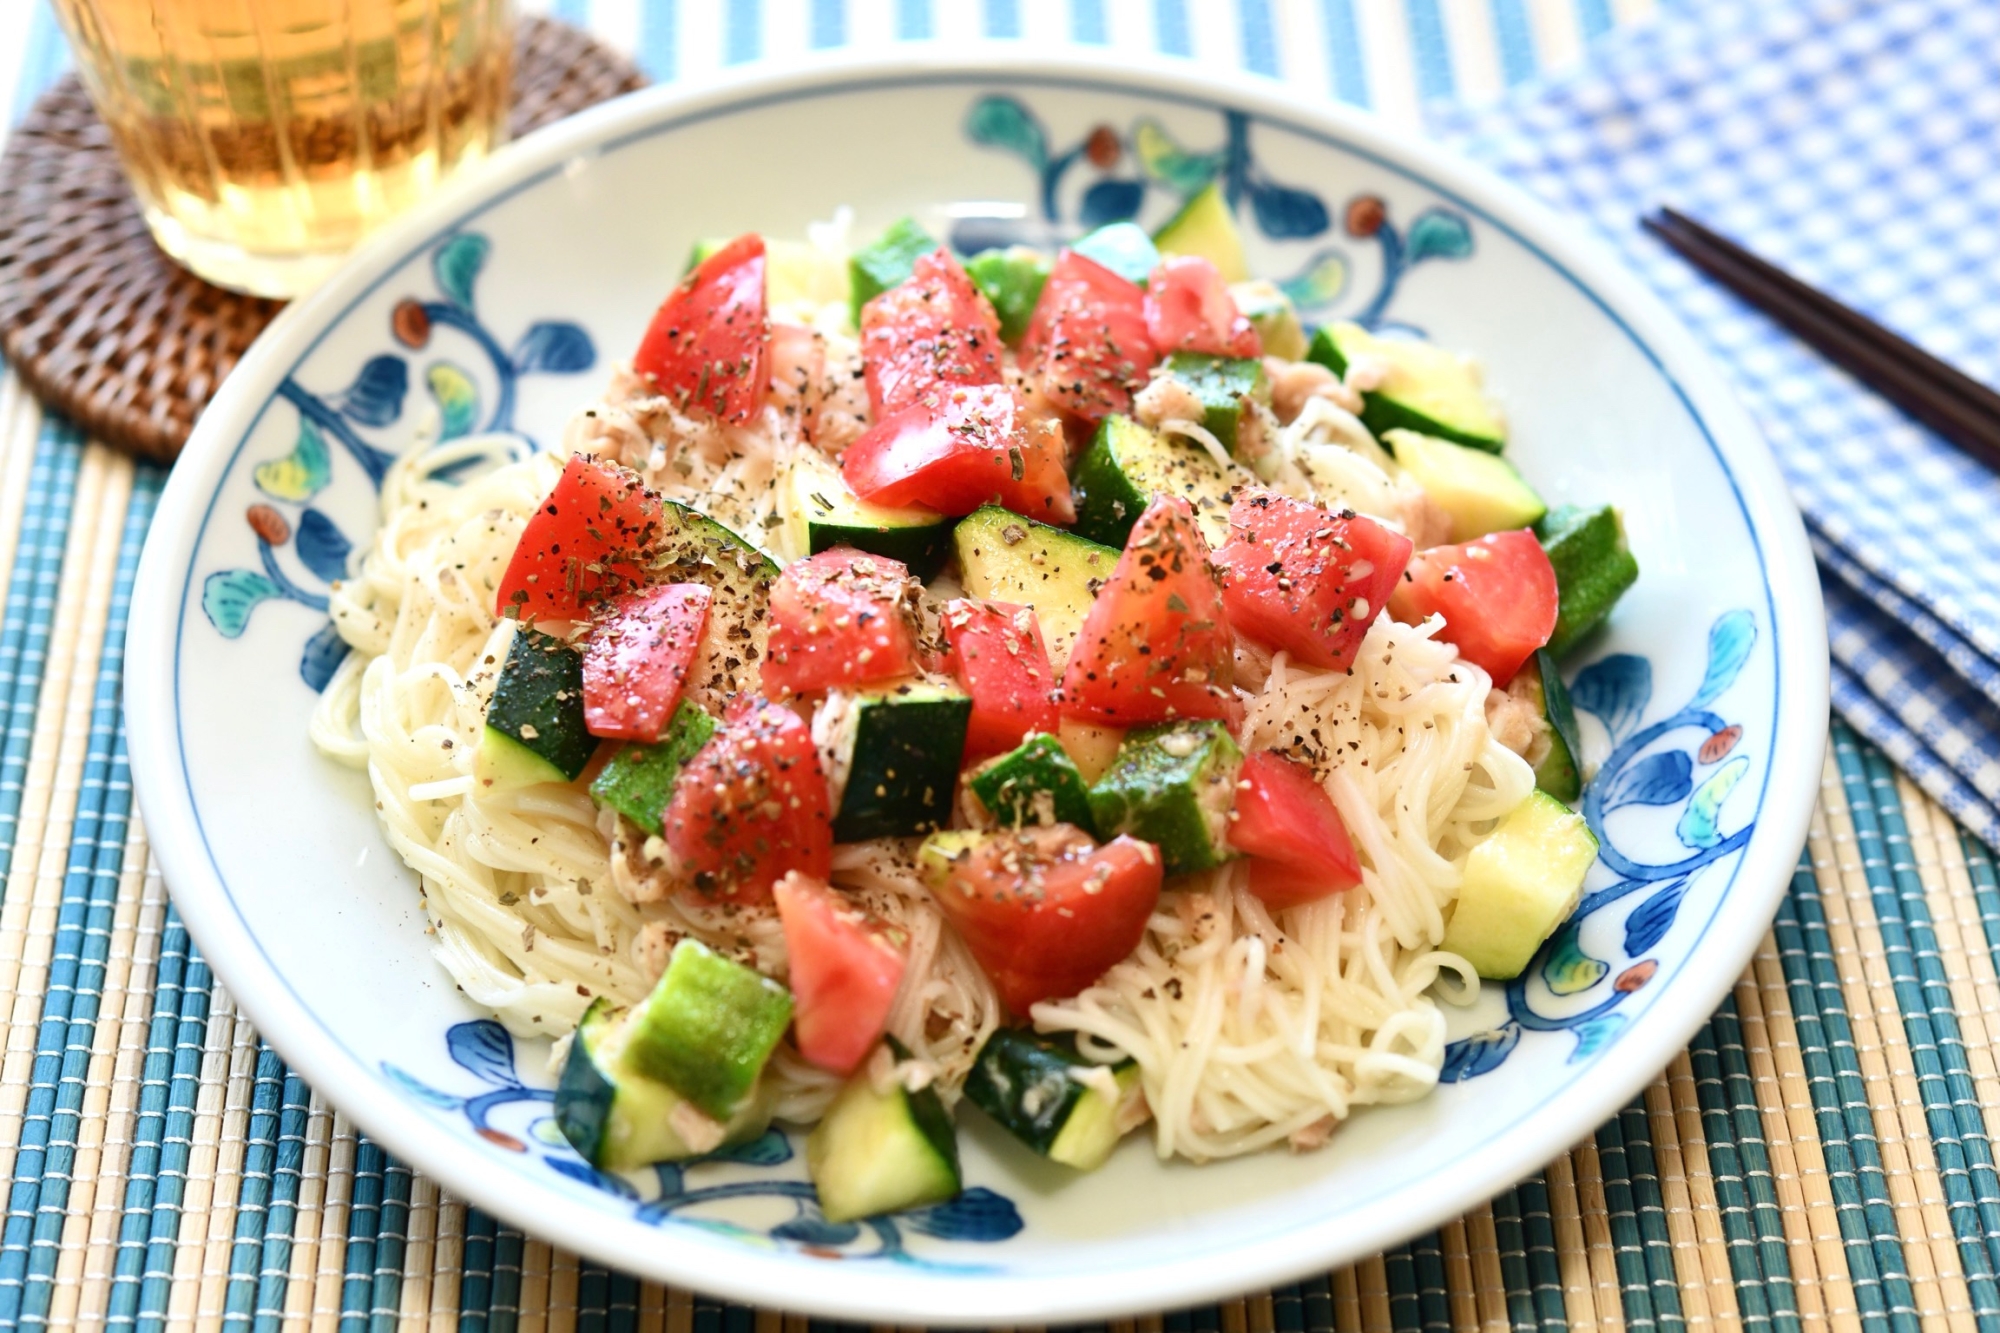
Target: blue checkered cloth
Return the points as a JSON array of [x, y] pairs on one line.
[[1856, 144]]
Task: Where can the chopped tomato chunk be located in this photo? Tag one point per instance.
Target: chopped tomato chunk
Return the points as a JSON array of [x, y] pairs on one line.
[[1497, 596], [1155, 644], [972, 446], [1189, 309], [1306, 580], [934, 329], [1287, 825], [844, 971], [995, 650], [637, 659], [587, 541], [751, 806], [1046, 911], [707, 344], [840, 618], [1086, 343]]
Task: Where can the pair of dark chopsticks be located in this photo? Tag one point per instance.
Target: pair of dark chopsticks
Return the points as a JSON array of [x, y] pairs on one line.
[[1950, 402]]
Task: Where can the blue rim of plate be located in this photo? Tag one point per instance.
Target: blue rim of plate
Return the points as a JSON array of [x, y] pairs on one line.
[[1340, 130]]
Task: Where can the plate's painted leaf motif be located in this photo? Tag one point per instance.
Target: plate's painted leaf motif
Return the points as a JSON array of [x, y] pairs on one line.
[[1110, 201], [1651, 920], [1616, 689], [1286, 214], [456, 265], [767, 1149], [1479, 1053], [457, 399], [483, 1048], [376, 396], [321, 546], [321, 657], [585, 1173], [229, 596], [1595, 1035], [1567, 969], [556, 346], [1319, 283], [300, 474], [1729, 643], [1003, 122], [1698, 826], [810, 1227], [1437, 233], [1658, 779], [416, 1088], [977, 1214], [1167, 162]]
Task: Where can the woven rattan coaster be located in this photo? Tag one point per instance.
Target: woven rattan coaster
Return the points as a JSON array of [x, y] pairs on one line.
[[106, 329]]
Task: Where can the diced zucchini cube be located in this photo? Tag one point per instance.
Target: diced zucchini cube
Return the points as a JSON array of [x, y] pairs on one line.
[[881, 1147], [1205, 227], [1127, 465], [1520, 884], [1040, 1090], [1003, 557], [1224, 384], [1272, 314], [893, 755], [535, 730]]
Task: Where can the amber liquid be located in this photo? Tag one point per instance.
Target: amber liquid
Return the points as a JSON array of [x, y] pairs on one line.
[[265, 137]]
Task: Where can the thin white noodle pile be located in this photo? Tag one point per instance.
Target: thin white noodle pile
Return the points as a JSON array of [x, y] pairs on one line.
[[1250, 1029]]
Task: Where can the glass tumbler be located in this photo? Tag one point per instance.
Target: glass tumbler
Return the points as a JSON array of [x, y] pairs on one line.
[[263, 138]]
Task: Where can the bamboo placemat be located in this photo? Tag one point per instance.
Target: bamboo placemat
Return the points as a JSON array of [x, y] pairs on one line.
[[1820, 1156]]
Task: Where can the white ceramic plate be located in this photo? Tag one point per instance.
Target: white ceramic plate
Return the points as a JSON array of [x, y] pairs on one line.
[[503, 305]]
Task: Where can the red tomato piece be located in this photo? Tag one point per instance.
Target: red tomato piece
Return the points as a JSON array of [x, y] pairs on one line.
[[1189, 309], [1306, 580], [1497, 596], [586, 542], [933, 329], [1287, 825], [1046, 911], [839, 618], [995, 650], [1156, 644], [751, 806], [637, 659], [1086, 342], [844, 973], [974, 445], [707, 344]]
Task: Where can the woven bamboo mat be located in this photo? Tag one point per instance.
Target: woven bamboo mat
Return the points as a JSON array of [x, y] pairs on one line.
[[1820, 1156]]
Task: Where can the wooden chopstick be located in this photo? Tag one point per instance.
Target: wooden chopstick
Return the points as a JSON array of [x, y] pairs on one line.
[[1950, 402]]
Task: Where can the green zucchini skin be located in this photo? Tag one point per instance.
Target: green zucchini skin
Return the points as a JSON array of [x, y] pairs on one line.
[[1034, 783], [1012, 280], [707, 1028], [1023, 1080], [534, 721], [902, 748], [1593, 565], [694, 548], [1382, 412], [1127, 465], [1225, 384], [922, 547], [638, 781], [877, 1151], [877, 267], [1560, 773], [1172, 785]]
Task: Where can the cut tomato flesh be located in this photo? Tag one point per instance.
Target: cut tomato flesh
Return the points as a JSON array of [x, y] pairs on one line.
[[839, 618], [584, 543], [933, 330], [1046, 911], [843, 973], [707, 344], [751, 806], [958, 449], [1287, 825], [1156, 644], [1189, 309], [1497, 596], [1306, 580], [995, 650], [1086, 343], [636, 659]]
